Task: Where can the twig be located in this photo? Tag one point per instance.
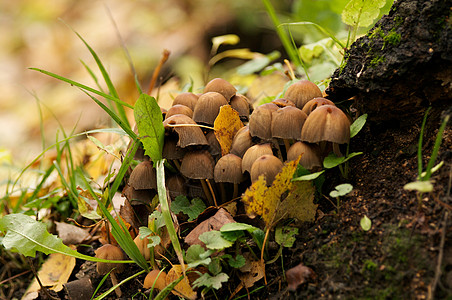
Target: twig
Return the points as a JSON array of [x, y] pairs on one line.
[[15, 276], [432, 287], [43, 288], [164, 58]]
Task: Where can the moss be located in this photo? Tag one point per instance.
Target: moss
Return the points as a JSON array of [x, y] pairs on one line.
[[376, 60], [392, 38]]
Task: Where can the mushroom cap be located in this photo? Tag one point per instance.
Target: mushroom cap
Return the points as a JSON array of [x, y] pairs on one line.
[[109, 252], [142, 245], [287, 123], [310, 154], [326, 123], [260, 119], [158, 277], [187, 99], [221, 86], [188, 135], [241, 141], [179, 109], [241, 104], [253, 153], [267, 165], [143, 176], [283, 102], [198, 165], [175, 184], [314, 103], [138, 196], [229, 169], [301, 92], [171, 150], [214, 145], [208, 107]]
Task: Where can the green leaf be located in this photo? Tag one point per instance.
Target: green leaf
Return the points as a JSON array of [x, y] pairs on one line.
[[309, 176], [365, 223], [144, 232], [211, 281], [258, 63], [285, 235], [150, 127], [214, 240], [193, 209], [26, 236], [237, 262], [196, 255], [154, 240], [332, 160], [227, 39], [232, 235], [341, 190], [362, 13], [215, 266], [420, 186], [358, 125], [238, 226]]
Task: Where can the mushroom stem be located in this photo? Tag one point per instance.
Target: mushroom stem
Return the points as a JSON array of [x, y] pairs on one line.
[[236, 191], [223, 192], [206, 192], [213, 193], [286, 145], [337, 150], [114, 281], [177, 164]]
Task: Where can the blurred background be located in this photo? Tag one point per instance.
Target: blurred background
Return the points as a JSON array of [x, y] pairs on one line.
[[34, 108]]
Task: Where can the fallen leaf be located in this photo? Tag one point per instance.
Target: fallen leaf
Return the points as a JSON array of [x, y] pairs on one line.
[[54, 272], [283, 199], [252, 272], [71, 234], [213, 223], [226, 126], [298, 275], [183, 288]]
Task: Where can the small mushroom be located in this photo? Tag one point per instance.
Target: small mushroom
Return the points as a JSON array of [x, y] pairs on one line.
[[200, 165], [142, 245], [287, 123], [327, 123], [260, 121], [156, 279], [179, 109], [214, 145], [242, 105], [221, 86], [187, 99], [188, 131], [282, 102], [267, 165], [171, 151], [241, 142], [208, 107], [301, 92], [229, 170], [143, 176], [253, 153], [310, 154], [137, 197], [314, 103], [110, 252], [175, 184]]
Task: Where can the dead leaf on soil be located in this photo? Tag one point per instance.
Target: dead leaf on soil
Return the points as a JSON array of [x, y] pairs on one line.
[[215, 222], [282, 199], [226, 126], [71, 234], [298, 275], [54, 272], [250, 273], [183, 288]]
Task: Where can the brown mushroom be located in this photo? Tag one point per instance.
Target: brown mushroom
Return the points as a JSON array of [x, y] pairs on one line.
[[314, 103], [260, 121], [221, 86], [188, 131], [175, 184], [110, 252], [287, 123], [282, 102], [242, 105], [179, 109], [200, 165], [327, 123], [156, 279], [208, 107], [241, 142], [171, 151], [143, 176], [187, 99], [137, 197], [214, 145], [229, 170], [310, 154], [142, 245], [301, 92], [252, 154], [267, 165]]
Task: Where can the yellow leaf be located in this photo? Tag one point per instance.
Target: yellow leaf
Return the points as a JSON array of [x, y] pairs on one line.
[[282, 199], [226, 126], [183, 288], [55, 272]]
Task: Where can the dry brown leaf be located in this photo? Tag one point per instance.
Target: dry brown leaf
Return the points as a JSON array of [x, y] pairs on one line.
[[226, 126], [183, 288], [215, 222], [71, 234], [298, 275]]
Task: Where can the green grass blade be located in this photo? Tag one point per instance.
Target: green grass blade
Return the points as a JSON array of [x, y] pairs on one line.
[[93, 76], [439, 138], [83, 87], [419, 145], [119, 284]]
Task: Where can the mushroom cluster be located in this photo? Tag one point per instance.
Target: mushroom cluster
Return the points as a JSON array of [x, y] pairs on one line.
[[303, 123]]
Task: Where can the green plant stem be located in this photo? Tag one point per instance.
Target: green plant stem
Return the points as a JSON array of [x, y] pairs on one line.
[[419, 145], [438, 141]]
